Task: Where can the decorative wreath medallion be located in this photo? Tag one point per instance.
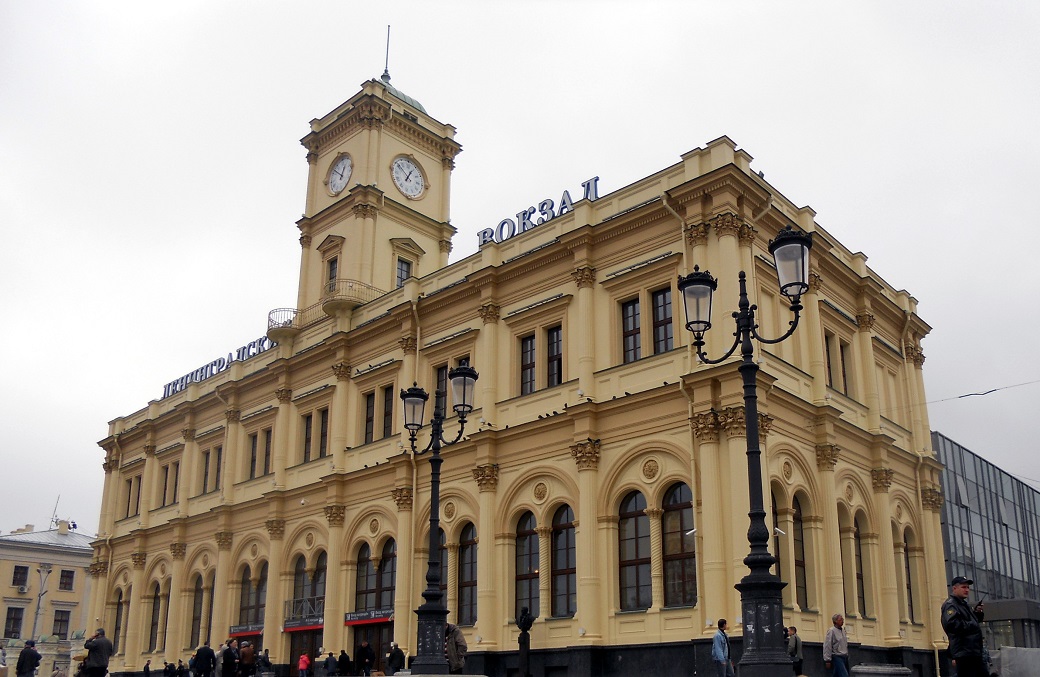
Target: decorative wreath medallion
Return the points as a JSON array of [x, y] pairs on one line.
[[205, 560], [125, 578], [449, 509], [788, 470], [848, 492], [309, 539], [162, 569], [650, 469], [540, 491], [254, 550], [373, 526], [899, 511]]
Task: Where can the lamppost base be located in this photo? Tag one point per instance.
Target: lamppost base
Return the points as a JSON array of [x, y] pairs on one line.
[[430, 658], [765, 652]]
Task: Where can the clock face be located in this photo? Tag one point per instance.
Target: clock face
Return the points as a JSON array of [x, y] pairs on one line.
[[408, 178], [339, 174]]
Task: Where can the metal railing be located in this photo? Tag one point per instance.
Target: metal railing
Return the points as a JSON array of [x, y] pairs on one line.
[[304, 607], [353, 291]]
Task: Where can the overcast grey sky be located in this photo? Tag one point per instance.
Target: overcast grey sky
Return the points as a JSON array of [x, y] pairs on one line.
[[151, 174]]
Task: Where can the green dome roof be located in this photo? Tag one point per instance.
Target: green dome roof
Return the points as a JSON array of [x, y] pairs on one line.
[[399, 94]]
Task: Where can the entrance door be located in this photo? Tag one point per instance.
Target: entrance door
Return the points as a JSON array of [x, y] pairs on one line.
[[304, 640], [379, 636]]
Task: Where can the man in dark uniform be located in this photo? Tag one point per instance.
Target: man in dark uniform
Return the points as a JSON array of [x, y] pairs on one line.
[[205, 660], [28, 660], [961, 624]]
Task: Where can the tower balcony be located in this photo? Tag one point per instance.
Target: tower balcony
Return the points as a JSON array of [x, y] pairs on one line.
[[340, 295]]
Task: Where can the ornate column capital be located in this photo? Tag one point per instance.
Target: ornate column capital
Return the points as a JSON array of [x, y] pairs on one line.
[[865, 321], [732, 421], [765, 425], [696, 233], [408, 343], [586, 454], [815, 282], [445, 245], [543, 531], [705, 426], [97, 568], [653, 513], [726, 223], [489, 312], [188, 434], [915, 354], [110, 465], [447, 163], [275, 529], [746, 234], [584, 276], [305, 241], [365, 211], [283, 395], [178, 550], [403, 498], [224, 539], [149, 450], [312, 157], [486, 476], [341, 370], [827, 456], [932, 499], [335, 514], [138, 559], [882, 479], [233, 415]]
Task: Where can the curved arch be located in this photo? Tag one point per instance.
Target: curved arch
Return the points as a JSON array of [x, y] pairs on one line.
[[617, 478], [262, 542], [357, 529], [152, 573], [805, 474], [561, 487]]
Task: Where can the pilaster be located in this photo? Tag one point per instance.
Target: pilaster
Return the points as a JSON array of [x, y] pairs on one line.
[[586, 454]]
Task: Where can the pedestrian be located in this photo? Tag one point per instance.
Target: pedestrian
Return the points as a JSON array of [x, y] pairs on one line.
[[205, 660], [167, 669], [247, 660], [455, 647], [836, 648], [331, 666], [304, 665], [343, 663], [28, 660], [365, 658], [720, 651], [395, 660], [99, 651], [961, 624], [182, 670], [147, 670], [794, 649], [229, 660]]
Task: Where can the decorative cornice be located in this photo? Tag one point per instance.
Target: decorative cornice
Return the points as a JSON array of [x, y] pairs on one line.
[[178, 550], [365, 211], [403, 498], [815, 282], [98, 568], [882, 479], [827, 456], [726, 223], [342, 371], [486, 476], [224, 539], [233, 415], [305, 241], [188, 434], [489, 312], [586, 454], [335, 514], [865, 321], [584, 276], [284, 395], [932, 498], [407, 343], [138, 559], [697, 234], [705, 426], [915, 355], [275, 529]]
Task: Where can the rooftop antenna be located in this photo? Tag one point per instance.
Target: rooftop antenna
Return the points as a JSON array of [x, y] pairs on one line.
[[54, 514], [386, 67]]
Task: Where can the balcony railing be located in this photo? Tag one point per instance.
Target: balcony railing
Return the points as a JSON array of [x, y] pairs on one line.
[[353, 291], [304, 607]]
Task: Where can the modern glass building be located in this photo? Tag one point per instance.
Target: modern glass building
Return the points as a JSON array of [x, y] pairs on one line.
[[991, 534]]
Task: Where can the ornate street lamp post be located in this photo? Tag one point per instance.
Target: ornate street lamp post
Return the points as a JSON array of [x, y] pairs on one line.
[[44, 570], [430, 658], [760, 591]]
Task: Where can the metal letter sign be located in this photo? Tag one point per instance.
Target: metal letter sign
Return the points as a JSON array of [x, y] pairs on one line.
[[546, 211]]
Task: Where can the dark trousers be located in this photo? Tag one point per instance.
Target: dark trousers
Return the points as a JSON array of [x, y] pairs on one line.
[[971, 666], [797, 665]]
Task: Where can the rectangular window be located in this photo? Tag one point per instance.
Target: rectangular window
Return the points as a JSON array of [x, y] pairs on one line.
[[165, 483], [205, 471], [218, 467], [61, 623], [331, 274], [527, 365], [268, 438], [662, 303], [388, 411], [441, 392], [404, 271], [307, 421], [844, 351], [67, 579], [176, 480], [370, 417], [323, 433], [554, 350], [21, 575], [630, 341], [828, 346], [129, 497], [137, 495], [13, 624], [252, 455]]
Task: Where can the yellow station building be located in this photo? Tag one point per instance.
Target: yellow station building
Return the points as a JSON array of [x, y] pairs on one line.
[[602, 482]]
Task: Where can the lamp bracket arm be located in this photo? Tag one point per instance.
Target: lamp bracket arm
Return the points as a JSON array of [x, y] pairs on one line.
[[462, 429], [793, 324], [699, 345]]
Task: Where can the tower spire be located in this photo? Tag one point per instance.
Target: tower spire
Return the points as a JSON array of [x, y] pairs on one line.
[[386, 67]]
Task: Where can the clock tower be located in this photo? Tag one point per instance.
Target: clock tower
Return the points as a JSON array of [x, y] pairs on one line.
[[378, 191]]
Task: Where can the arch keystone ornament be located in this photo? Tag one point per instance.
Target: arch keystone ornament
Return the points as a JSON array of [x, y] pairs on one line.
[[586, 454]]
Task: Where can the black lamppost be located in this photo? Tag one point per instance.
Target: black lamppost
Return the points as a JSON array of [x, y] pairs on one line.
[[760, 591], [45, 571], [430, 659]]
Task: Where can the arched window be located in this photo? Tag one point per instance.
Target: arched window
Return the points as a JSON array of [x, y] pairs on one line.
[[320, 572], [634, 553], [196, 613], [261, 596], [680, 552], [526, 584], [153, 631], [468, 576], [800, 587], [564, 564], [117, 635], [365, 597], [909, 578], [245, 603], [861, 589], [300, 578], [253, 597], [387, 578]]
